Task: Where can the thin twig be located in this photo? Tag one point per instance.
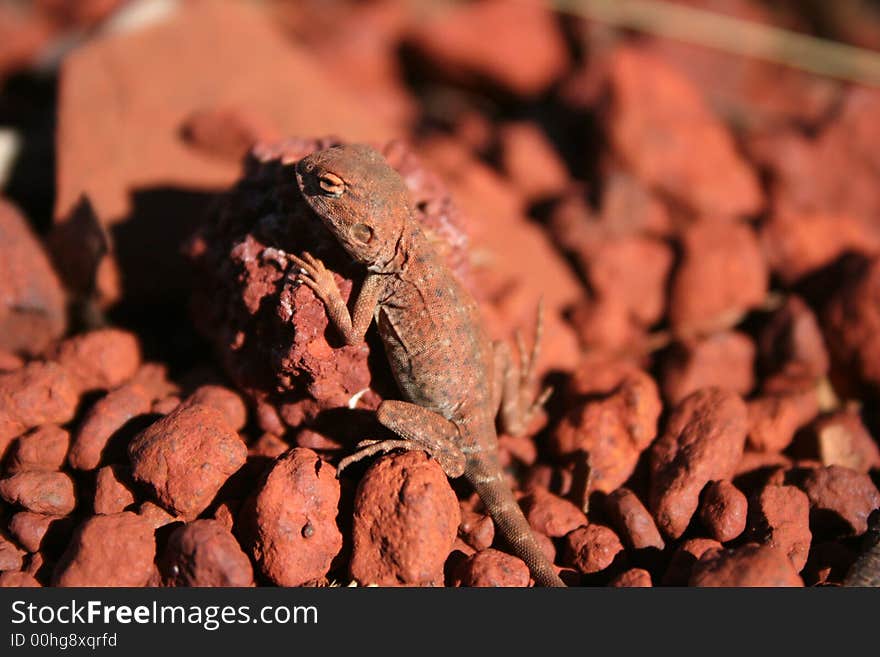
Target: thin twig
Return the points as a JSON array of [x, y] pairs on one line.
[[733, 35]]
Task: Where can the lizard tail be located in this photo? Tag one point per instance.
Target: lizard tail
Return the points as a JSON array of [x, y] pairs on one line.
[[510, 521]]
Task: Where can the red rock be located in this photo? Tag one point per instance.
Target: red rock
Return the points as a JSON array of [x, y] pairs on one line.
[[315, 440], [531, 162], [657, 121], [629, 208], [634, 577], [524, 56], [44, 448], [11, 555], [831, 173], [774, 419], [112, 550], [77, 15], [16, 579], [224, 400], [755, 463], [851, 320], [635, 271], [291, 521], [605, 325], [840, 499], [405, 521], [32, 310], [780, 518], [34, 565], [156, 515], [269, 446], [592, 549], [460, 551], [622, 265], [507, 238], [723, 359], [723, 511], [226, 132], [685, 557], [491, 567], [748, 565], [516, 450], [632, 520], [614, 430], [551, 515], [358, 45], [798, 244], [101, 359], [210, 51], [107, 416], [9, 361], [541, 475], [40, 492], [225, 514], [476, 529], [38, 393], [703, 442], [842, 439], [33, 530], [112, 495], [599, 374], [22, 35], [721, 275], [153, 378], [165, 405], [204, 553], [185, 457]]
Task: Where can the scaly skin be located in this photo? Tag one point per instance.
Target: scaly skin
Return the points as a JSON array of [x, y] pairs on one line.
[[454, 378]]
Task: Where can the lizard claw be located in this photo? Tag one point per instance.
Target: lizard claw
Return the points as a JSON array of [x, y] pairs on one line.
[[367, 448], [314, 274]]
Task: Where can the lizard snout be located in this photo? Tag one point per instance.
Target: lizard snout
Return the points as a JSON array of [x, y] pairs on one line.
[[304, 173]]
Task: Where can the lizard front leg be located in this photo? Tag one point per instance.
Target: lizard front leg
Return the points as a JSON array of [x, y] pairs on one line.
[[419, 429], [351, 326]]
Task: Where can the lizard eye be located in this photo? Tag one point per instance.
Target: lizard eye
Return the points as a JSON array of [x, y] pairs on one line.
[[332, 184], [362, 233]]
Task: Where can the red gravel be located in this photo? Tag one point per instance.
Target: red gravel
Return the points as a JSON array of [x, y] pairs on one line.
[[290, 522], [749, 565], [703, 442], [112, 550], [405, 521], [492, 568], [193, 438], [204, 553], [592, 549], [723, 511]]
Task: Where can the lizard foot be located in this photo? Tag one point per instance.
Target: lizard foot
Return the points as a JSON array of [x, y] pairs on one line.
[[515, 381], [367, 448], [315, 275]]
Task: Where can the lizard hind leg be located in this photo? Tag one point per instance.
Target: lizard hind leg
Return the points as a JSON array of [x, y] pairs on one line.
[[514, 381], [419, 429]]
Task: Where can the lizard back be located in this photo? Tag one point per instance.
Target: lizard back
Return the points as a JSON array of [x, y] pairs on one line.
[[434, 338]]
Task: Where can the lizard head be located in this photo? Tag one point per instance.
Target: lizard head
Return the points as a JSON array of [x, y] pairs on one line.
[[361, 199]]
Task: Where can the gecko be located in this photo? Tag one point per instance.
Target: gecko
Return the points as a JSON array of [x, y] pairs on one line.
[[455, 380]]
